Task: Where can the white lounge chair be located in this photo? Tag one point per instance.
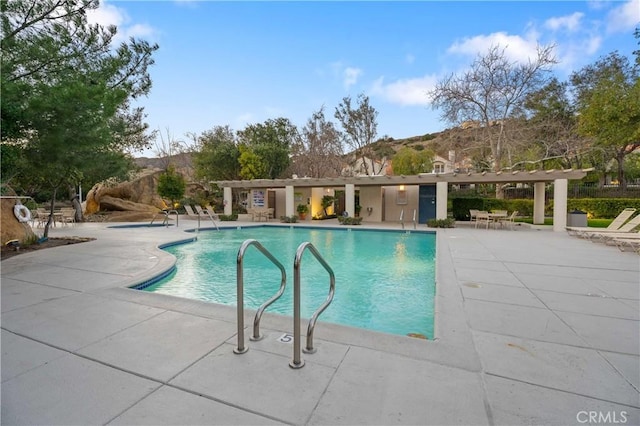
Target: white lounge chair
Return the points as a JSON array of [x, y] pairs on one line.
[[628, 242], [206, 213], [601, 234], [190, 212], [614, 225]]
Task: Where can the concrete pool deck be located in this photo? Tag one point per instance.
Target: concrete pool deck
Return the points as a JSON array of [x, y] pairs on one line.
[[532, 327]]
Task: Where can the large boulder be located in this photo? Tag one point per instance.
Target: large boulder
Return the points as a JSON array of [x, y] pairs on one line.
[[110, 203], [139, 194], [11, 227]]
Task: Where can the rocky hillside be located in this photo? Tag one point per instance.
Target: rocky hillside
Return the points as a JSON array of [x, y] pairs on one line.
[[441, 143]]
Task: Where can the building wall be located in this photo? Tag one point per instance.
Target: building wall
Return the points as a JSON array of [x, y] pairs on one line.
[[392, 208], [281, 200], [371, 197]]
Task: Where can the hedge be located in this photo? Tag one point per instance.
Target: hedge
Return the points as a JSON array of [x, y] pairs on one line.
[[595, 207], [601, 208]]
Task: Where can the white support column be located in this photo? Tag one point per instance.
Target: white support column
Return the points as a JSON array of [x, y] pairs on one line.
[[538, 203], [350, 199], [560, 190], [289, 201], [228, 201], [441, 200]]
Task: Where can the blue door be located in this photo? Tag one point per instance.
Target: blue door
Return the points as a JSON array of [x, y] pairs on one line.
[[427, 203]]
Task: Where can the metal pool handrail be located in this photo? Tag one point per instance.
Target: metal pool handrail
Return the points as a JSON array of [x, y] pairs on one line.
[[402, 218], [414, 218], [240, 293], [297, 362], [165, 220]]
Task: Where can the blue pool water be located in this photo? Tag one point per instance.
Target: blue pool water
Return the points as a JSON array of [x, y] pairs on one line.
[[385, 281]]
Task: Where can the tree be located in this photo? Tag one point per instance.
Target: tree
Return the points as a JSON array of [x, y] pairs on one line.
[[66, 93], [408, 161], [265, 148], [217, 155], [360, 129], [492, 91], [552, 124], [608, 97], [319, 152], [171, 185]]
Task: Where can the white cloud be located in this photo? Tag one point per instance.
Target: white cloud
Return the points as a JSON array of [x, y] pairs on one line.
[[517, 48], [351, 76], [598, 4], [107, 14], [570, 22], [410, 91], [140, 31], [572, 53], [624, 17]]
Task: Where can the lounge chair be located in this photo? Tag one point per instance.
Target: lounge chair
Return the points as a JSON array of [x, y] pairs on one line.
[[206, 213], [614, 225], [631, 242], [190, 213], [600, 234]]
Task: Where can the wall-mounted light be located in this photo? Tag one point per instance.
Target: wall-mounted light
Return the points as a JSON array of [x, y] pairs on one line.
[[401, 187]]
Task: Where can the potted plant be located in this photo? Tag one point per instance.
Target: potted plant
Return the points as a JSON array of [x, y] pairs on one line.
[[303, 209], [357, 207]]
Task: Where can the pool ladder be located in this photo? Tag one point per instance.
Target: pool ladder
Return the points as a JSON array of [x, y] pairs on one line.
[[414, 218], [297, 361], [165, 217]]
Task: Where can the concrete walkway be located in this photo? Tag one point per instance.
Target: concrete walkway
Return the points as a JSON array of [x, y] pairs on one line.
[[532, 327]]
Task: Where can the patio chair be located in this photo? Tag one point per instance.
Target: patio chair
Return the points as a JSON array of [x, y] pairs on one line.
[[482, 217], [472, 215], [252, 212], [509, 221], [67, 216], [614, 225], [41, 217]]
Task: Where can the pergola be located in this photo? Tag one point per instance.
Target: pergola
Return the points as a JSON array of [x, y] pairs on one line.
[[538, 178]]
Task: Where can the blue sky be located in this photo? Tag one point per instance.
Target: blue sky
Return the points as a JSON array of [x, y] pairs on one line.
[[235, 63]]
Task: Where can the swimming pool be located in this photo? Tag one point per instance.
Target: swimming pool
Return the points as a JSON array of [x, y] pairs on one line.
[[385, 281]]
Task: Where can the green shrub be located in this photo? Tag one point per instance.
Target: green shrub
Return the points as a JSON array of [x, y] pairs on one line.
[[228, 217], [441, 223], [349, 220], [601, 207], [289, 219]]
